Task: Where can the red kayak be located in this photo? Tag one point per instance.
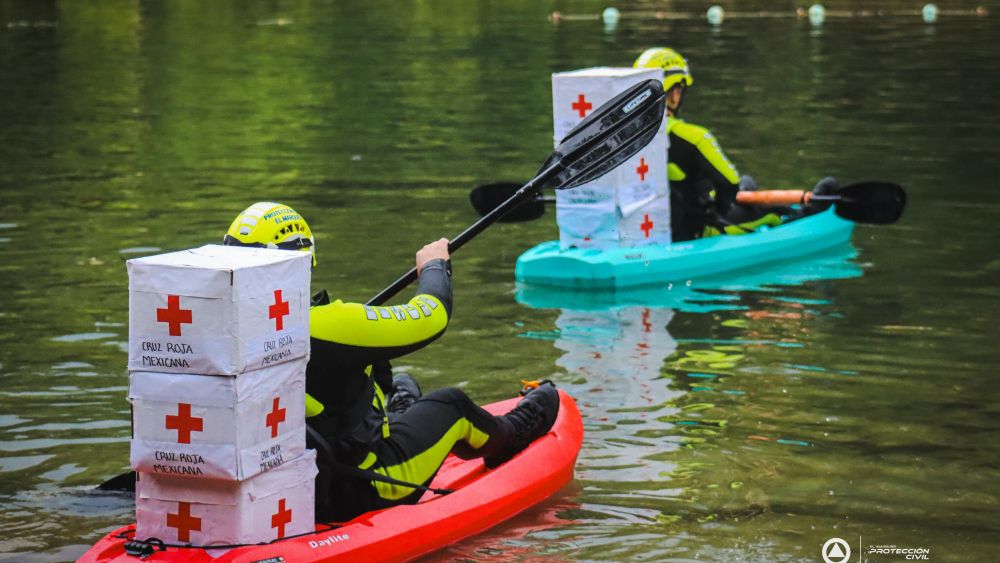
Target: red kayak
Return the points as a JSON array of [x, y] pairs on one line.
[[482, 499]]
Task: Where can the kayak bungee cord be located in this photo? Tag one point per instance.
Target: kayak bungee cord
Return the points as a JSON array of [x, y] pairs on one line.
[[143, 549]]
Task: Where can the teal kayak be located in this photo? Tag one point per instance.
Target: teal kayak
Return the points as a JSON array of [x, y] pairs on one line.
[[680, 262], [704, 295]]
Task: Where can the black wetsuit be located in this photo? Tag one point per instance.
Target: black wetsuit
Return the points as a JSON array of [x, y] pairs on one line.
[[347, 380]]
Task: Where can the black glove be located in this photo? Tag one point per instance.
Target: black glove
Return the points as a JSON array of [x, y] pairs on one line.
[[747, 183], [826, 186]]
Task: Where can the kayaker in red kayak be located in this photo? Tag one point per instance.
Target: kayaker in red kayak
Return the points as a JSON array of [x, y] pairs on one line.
[[367, 423], [703, 181]]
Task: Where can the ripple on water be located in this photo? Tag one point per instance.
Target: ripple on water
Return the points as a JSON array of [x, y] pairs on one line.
[[140, 250], [60, 473], [71, 365], [10, 420], [20, 463], [83, 336]]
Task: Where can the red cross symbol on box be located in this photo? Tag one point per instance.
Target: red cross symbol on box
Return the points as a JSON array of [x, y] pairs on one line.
[[278, 310], [280, 518], [646, 225], [173, 315], [184, 423], [275, 417], [581, 105], [183, 521], [642, 169]]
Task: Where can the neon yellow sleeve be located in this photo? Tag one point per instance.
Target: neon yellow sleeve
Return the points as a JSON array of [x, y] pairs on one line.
[[353, 324]]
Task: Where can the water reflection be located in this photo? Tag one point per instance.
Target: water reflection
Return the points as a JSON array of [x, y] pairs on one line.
[[659, 411], [614, 358]]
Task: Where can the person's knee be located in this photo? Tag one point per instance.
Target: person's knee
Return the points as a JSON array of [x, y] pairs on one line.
[[405, 391], [463, 407]]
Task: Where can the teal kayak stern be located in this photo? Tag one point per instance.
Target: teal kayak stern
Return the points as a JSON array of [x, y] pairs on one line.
[[545, 264]]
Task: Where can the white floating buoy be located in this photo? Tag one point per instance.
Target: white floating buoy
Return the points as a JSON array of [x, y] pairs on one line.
[[930, 13], [715, 15], [610, 16], [817, 13]]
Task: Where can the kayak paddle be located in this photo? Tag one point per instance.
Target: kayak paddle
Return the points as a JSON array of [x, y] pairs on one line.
[[124, 483], [869, 202], [609, 136], [872, 202], [488, 197]]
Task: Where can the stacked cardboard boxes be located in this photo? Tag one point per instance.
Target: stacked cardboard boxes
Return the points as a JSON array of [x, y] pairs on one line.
[[629, 206], [218, 345]]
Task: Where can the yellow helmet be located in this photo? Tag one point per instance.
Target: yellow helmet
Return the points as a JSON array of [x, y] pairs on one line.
[[675, 67], [271, 225]]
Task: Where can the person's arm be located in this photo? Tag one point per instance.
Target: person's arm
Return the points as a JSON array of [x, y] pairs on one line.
[[719, 171], [358, 334]]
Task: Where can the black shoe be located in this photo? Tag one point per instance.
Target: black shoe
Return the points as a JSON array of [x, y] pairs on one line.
[[529, 420], [405, 392]]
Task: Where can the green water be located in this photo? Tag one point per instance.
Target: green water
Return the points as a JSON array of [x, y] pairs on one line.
[[729, 420]]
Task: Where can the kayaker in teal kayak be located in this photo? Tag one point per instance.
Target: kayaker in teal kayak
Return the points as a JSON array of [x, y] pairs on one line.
[[703, 181], [365, 422]]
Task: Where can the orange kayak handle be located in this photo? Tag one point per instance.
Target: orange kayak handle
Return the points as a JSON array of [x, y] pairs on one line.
[[773, 197]]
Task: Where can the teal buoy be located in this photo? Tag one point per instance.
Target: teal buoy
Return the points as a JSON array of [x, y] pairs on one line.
[[930, 13], [715, 15], [817, 13], [610, 16]]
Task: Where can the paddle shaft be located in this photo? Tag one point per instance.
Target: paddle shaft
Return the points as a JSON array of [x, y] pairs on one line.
[[783, 197], [526, 192], [773, 197]]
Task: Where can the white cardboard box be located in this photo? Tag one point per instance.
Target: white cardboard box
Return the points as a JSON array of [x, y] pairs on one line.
[[273, 505], [576, 93], [586, 216], [218, 427], [630, 205], [649, 225], [218, 310]]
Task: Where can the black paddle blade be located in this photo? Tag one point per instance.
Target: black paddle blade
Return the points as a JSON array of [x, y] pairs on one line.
[[609, 136], [873, 202], [124, 483], [488, 197]]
